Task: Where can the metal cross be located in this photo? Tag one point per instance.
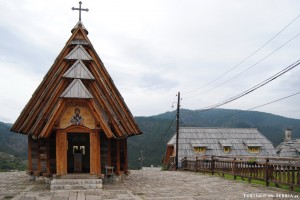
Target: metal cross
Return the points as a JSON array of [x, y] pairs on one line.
[[80, 9]]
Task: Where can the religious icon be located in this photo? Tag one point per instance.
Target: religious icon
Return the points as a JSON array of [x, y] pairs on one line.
[[77, 119]]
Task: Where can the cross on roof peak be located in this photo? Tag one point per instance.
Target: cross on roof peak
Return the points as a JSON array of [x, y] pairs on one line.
[[80, 9]]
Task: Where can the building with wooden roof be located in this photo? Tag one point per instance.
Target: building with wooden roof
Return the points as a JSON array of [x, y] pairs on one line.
[[200, 142], [290, 147], [76, 120]]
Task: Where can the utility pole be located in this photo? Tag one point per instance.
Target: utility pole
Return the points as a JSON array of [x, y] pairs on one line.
[[177, 130], [141, 160]]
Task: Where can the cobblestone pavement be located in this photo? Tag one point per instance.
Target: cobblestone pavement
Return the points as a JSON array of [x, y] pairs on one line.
[[150, 185]]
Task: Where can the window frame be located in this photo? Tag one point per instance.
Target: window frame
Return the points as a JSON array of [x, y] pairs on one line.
[[254, 149], [226, 149], [199, 149]]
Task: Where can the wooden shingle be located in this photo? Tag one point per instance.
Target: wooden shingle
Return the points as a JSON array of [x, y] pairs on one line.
[[215, 139]]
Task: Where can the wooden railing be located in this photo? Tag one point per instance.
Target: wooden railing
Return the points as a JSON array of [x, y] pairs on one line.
[[280, 171], [170, 166]]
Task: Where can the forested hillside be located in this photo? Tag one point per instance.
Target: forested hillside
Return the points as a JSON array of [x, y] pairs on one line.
[[158, 129], [153, 141], [12, 143], [13, 149]]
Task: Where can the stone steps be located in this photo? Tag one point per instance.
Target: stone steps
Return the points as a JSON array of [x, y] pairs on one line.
[[77, 176], [76, 184]]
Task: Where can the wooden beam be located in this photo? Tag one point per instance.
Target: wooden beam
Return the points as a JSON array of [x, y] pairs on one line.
[[45, 98], [99, 96], [99, 154], [95, 162], [29, 153], [103, 124], [37, 127], [118, 156], [39, 156], [41, 94], [108, 95], [109, 152], [52, 77], [61, 153], [124, 144], [48, 127], [115, 93], [48, 155]]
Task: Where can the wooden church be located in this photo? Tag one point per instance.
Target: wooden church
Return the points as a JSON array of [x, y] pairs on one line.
[[76, 120]]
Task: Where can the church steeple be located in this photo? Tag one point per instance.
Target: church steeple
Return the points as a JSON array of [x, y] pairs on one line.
[[79, 78], [79, 24]]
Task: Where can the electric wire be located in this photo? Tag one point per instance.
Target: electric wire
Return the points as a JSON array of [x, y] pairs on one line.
[[292, 66], [265, 104], [184, 122], [252, 54], [165, 134], [167, 130], [228, 80]]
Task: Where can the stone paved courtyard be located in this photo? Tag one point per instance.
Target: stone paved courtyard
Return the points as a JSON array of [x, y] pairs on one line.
[[150, 185]]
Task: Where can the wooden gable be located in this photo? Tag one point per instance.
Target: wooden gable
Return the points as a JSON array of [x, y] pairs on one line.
[[76, 90], [79, 53], [77, 75], [78, 70]]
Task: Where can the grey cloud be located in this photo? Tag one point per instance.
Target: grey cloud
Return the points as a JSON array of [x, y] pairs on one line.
[[15, 48], [156, 82]]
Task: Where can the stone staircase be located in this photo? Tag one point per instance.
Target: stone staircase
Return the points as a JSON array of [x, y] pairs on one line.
[[76, 183]]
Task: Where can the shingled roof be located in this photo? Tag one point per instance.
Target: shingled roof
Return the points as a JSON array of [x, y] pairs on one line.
[[77, 73], [215, 139], [290, 147]]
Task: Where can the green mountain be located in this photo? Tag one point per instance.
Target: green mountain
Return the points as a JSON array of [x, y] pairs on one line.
[[9, 162], [13, 149], [12, 143], [158, 130]]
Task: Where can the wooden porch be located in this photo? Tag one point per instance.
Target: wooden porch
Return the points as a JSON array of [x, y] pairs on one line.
[[49, 156]]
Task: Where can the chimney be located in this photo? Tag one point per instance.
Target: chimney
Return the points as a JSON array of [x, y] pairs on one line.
[[288, 135]]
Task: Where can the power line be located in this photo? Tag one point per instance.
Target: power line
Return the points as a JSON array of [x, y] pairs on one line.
[[292, 66], [252, 54], [184, 121], [265, 104], [165, 133], [177, 131], [228, 80]]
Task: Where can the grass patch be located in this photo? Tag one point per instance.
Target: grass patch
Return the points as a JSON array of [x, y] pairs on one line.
[[258, 182]]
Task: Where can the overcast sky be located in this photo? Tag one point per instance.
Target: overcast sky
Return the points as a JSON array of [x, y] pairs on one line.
[[153, 49]]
